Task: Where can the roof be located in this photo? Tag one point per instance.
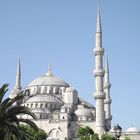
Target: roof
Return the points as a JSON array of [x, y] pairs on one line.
[[48, 80]]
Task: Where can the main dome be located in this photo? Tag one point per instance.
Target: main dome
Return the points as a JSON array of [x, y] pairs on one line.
[[48, 80]]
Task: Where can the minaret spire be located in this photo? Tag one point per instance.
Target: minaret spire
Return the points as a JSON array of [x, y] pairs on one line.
[[17, 89], [98, 20], [107, 101], [18, 76], [99, 75]]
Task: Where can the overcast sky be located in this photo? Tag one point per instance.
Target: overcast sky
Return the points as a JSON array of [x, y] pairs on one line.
[[62, 33]]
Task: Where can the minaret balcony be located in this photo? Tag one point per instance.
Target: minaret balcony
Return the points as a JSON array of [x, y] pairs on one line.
[[99, 72], [98, 51], [99, 95]]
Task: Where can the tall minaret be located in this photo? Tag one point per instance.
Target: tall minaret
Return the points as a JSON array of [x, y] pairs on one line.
[[107, 101], [18, 77], [99, 76], [17, 88]]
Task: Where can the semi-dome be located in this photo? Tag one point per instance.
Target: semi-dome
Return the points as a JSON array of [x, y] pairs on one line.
[[133, 130], [84, 112], [42, 98], [48, 80]]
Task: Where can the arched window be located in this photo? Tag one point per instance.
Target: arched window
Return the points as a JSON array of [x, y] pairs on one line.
[[50, 106], [36, 105], [27, 92], [31, 105], [41, 105], [38, 90], [55, 106]]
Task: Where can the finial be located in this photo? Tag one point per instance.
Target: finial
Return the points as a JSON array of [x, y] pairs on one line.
[[49, 73], [98, 21]]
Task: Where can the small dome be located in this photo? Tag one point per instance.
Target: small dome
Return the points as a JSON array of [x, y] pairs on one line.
[[48, 80], [131, 130], [84, 112], [41, 98]]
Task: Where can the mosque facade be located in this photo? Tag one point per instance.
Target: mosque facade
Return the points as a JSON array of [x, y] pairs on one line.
[[59, 109]]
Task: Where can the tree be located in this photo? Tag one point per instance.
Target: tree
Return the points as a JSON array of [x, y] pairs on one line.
[[9, 117], [127, 138], [39, 135], [86, 133], [95, 137], [108, 137]]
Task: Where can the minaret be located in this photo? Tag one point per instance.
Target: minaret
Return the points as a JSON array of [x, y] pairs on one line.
[[99, 76], [18, 77], [17, 88], [107, 101]]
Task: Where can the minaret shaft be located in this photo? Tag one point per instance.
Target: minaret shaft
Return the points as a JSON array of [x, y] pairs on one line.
[[107, 101], [99, 75]]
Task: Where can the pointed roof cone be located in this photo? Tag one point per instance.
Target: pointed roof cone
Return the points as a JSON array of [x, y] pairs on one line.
[[98, 20], [49, 73], [18, 76], [18, 69]]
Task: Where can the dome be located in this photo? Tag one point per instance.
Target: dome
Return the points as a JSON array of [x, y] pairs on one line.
[[132, 130], [42, 98], [84, 112], [48, 80]]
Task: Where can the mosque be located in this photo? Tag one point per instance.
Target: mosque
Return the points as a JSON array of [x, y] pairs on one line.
[[59, 109]]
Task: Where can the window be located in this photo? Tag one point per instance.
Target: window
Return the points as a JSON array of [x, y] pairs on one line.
[[31, 105], [27, 92], [36, 105]]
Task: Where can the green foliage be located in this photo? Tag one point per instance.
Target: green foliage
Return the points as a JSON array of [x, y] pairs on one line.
[[38, 135], [86, 133], [108, 137], [9, 120], [95, 137], [127, 138]]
